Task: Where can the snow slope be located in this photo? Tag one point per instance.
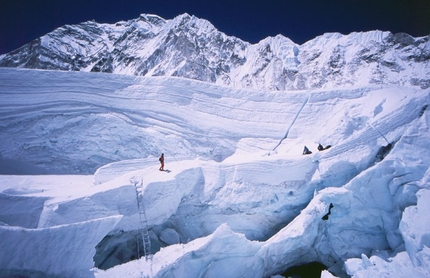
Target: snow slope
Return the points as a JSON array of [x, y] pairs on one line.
[[190, 47], [238, 199]]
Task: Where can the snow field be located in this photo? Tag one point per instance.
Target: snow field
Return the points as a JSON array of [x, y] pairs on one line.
[[239, 198]]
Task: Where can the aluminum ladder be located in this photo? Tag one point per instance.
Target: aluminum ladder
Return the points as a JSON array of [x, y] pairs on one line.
[[143, 223]]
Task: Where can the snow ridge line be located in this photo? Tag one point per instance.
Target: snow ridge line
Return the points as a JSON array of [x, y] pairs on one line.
[[292, 123]]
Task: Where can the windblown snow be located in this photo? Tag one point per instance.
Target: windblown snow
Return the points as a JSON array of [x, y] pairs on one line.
[[238, 199]]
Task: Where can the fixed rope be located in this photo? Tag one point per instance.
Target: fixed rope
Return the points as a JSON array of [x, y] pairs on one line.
[[292, 123]]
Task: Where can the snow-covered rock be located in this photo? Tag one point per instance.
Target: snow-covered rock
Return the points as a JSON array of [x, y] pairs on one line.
[[189, 47]]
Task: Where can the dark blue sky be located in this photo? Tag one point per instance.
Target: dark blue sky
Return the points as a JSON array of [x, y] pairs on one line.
[[22, 21]]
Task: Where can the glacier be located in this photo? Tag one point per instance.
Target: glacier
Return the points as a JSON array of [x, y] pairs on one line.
[[239, 198]]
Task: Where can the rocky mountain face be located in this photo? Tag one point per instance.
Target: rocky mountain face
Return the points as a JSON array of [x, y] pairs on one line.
[[190, 47]]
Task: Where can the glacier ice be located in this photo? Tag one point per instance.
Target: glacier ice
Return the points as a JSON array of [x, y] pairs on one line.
[[230, 204]]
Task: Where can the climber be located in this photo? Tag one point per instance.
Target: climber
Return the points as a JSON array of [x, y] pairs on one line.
[[161, 159], [306, 151], [321, 148], [325, 217]]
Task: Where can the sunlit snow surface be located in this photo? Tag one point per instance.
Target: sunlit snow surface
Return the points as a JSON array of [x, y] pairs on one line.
[[238, 200]]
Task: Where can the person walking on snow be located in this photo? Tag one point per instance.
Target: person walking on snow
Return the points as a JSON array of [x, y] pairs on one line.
[[161, 159]]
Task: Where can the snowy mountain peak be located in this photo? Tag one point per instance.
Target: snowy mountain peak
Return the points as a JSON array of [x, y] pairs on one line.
[[190, 47], [190, 26], [280, 47], [144, 23], [152, 18]]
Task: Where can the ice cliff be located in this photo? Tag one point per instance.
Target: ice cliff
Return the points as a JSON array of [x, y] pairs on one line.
[[238, 199]]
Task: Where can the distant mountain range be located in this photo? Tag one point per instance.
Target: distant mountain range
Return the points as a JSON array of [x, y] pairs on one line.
[[189, 47]]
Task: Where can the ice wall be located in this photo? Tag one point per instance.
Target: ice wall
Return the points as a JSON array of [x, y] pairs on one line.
[[65, 250]]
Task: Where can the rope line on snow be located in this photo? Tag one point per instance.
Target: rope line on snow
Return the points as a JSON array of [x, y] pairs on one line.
[[378, 132], [292, 123]]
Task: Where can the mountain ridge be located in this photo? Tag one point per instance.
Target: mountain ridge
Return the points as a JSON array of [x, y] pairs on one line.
[[190, 47]]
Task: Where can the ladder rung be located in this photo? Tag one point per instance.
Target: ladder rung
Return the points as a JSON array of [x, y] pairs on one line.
[[143, 227]]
